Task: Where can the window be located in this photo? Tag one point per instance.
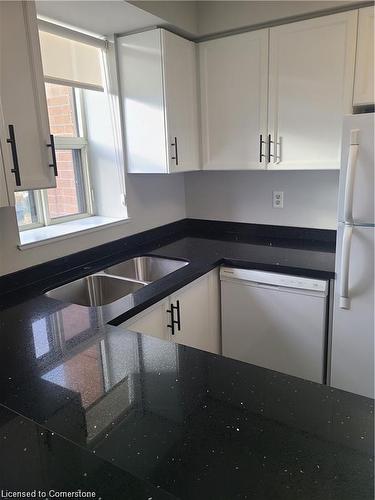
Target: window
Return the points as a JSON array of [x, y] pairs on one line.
[[84, 120], [69, 67], [71, 198], [27, 215]]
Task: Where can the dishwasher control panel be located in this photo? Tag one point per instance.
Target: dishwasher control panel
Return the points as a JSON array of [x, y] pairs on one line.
[[274, 279]]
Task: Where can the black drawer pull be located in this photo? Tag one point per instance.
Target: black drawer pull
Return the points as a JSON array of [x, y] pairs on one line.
[[269, 148], [261, 142], [175, 157], [178, 316], [16, 168], [173, 321]]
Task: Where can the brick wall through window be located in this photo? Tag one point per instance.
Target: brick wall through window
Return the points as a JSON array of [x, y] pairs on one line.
[[63, 200], [61, 110]]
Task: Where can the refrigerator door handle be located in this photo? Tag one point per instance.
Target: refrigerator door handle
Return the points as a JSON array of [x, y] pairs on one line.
[[344, 301], [350, 176]]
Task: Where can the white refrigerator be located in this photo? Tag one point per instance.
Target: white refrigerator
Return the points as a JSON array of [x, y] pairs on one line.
[[352, 354]]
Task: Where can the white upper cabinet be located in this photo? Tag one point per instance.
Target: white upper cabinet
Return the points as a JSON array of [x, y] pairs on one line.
[[310, 90], [181, 101], [276, 98], [364, 74], [234, 79], [158, 80], [25, 136]]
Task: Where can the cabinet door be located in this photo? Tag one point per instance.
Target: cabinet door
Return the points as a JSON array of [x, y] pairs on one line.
[[23, 98], [141, 83], [364, 71], [181, 102], [310, 89], [153, 321], [199, 305], [234, 79]]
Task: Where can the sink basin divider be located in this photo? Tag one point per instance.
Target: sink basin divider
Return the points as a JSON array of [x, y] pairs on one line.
[[101, 273]]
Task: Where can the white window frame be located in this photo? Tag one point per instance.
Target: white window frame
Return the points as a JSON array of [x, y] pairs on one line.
[[34, 225], [70, 143]]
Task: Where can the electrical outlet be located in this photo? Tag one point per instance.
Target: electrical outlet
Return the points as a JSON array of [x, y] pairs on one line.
[[278, 199]]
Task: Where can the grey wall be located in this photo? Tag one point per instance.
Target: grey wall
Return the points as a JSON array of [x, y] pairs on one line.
[[181, 14], [216, 16], [207, 17], [310, 198], [103, 17]]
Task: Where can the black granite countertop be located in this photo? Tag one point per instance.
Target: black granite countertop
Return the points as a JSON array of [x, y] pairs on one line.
[[86, 405]]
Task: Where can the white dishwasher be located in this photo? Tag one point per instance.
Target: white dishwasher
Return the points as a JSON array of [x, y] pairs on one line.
[[275, 321]]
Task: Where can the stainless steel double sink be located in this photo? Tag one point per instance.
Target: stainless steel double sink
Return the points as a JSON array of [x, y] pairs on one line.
[[117, 281]]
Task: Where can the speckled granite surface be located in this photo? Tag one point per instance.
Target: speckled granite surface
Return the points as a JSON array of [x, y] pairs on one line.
[[88, 405]]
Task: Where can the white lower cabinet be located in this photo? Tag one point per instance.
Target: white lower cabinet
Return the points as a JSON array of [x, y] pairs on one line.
[[196, 315], [151, 321], [199, 306]]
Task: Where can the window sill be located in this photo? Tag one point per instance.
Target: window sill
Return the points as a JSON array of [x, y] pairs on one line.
[[50, 234]]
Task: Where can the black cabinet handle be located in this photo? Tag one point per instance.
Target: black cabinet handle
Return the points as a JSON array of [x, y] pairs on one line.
[[173, 321], [178, 316], [53, 151], [261, 142], [269, 148], [171, 325], [16, 168], [174, 144]]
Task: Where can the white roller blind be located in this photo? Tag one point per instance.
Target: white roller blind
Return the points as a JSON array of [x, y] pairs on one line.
[[70, 62]]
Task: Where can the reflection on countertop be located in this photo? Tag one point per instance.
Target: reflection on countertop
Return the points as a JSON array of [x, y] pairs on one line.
[[194, 424], [35, 460]]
